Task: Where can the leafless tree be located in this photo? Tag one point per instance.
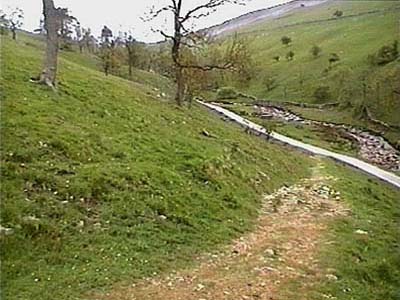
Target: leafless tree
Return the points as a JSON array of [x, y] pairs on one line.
[[184, 37]]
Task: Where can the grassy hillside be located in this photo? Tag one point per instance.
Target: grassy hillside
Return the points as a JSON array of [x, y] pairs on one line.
[[103, 182], [364, 27]]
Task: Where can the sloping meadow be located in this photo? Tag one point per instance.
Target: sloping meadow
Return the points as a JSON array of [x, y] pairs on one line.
[[103, 182]]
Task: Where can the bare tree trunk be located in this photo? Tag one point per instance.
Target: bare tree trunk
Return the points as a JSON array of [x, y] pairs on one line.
[[180, 86], [176, 55], [130, 69], [49, 72], [14, 34], [130, 60]]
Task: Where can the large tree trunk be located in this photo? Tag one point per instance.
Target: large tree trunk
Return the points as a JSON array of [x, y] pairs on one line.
[[49, 72]]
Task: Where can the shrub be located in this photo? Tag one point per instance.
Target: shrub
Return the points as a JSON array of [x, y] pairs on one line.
[[316, 51], [286, 40], [322, 93], [385, 54], [333, 58], [338, 13], [290, 55], [226, 93], [277, 58]]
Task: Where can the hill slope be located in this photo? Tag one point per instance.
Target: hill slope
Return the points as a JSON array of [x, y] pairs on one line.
[[260, 16], [102, 181], [363, 29]]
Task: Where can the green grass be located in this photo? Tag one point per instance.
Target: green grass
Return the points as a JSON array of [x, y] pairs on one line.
[[320, 137], [367, 266], [353, 38], [103, 183]]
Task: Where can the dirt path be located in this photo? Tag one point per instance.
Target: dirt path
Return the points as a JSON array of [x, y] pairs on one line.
[[259, 265]]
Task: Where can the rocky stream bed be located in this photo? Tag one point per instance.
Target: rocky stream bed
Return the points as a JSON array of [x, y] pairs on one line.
[[372, 148]]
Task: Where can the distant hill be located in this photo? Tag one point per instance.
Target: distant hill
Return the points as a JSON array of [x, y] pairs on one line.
[[261, 15], [352, 81]]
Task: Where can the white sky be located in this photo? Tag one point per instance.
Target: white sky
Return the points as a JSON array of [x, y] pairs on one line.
[[124, 15]]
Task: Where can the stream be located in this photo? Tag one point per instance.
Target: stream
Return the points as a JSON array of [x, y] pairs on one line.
[[372, 148]]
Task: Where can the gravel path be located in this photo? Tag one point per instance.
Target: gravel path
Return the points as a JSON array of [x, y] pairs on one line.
[[263, 263], [353, 162]]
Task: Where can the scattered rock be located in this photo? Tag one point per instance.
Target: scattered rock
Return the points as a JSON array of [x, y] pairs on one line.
[[331, 277], [199, 287], [31, 219], [362, 232], [270, 252], [6, 230]]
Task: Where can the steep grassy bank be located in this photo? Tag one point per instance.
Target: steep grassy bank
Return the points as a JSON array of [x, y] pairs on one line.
[[103, 182]]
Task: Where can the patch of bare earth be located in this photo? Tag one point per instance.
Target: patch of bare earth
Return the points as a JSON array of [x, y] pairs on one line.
[[260, 265]]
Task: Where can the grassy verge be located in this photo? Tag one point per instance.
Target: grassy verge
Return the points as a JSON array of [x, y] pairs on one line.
[[367, 265], [102, 182]]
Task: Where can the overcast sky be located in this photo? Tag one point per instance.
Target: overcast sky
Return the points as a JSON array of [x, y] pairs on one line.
[[124, 15]]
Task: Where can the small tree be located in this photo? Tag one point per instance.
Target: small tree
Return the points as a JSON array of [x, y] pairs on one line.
[[13, 20], [338, 13], [290, 55], [244, 67], [130, 46], [286, 40], [108, 51], [68, 27], [3, 23], [106, 34], [79, 36], [109, 58], [89, 41], [315, 51], [333, 59]]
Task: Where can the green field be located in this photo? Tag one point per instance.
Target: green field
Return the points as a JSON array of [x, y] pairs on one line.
[[104, 182]]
